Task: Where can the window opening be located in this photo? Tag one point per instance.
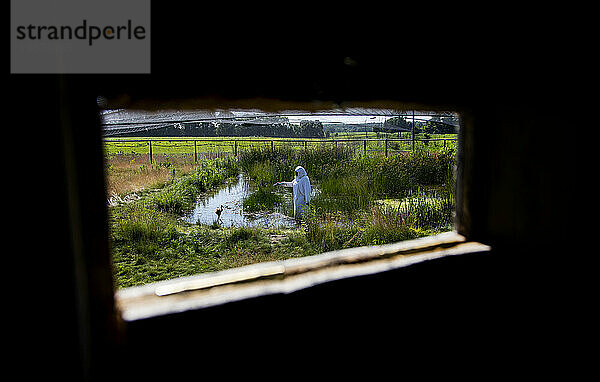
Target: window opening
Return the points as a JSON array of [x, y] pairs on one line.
[[197, 191]]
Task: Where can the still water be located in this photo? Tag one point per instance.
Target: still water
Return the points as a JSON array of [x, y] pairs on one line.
[[231, 196]]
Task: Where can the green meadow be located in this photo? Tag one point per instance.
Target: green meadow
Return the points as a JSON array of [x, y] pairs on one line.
[[361, 197]]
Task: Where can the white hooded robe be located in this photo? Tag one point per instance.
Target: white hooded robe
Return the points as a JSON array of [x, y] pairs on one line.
[[301, 188]]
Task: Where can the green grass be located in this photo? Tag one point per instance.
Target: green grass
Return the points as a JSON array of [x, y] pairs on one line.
[[345, 212], [363, 200], [182, 193], [347, 193], [191, 250], [262, 200], [165, 149]]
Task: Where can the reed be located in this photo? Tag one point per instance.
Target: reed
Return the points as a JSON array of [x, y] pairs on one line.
[[346, 193], [417, 215], [264, 175], [317, 161]]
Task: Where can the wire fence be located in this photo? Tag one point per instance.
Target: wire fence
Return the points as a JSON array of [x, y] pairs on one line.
[[150, 150]]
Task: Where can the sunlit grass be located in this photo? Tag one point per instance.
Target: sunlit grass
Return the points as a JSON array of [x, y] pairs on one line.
[[359, 200]]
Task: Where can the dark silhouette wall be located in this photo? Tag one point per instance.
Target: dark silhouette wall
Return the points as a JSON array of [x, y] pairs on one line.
[[465, 314]]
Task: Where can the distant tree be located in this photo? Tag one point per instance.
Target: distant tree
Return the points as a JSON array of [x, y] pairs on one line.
[[394, 124], [310, 129], [282, 128], [438, 126], [225, 129]]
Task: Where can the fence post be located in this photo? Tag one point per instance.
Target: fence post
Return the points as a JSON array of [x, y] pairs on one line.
[[235, 148], [413, 130], [386, 150], [150, 142], [195, 153], [305, 145], [365, 146], [271, 145]]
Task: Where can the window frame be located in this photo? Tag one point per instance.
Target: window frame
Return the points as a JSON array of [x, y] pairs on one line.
[[214, 288]]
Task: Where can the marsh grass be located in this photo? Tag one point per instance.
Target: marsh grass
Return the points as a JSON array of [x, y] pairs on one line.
[[428, 212], [345, 212], [151, 243], [263, 174], [317, 161], [163, 250], [328, 232], [264, 198], [348, 193], [181, 194], [416, 216]]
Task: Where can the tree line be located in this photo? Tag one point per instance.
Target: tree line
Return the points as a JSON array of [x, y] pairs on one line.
[[306, 129], [435, 125]]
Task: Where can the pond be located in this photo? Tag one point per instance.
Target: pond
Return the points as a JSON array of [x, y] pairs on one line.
[[231, 196]]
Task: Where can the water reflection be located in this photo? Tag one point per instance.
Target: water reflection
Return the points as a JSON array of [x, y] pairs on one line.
[[231, 196]]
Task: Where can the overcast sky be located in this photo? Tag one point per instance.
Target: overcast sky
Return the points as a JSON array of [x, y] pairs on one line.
[[123, 115], [344, 118], [339, 118]]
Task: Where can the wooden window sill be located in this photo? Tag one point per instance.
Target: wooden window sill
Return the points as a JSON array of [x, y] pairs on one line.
[[286, 276]]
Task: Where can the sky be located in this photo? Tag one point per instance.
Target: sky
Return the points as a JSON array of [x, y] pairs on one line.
[[340, 119], [109, 115], [345, 118]]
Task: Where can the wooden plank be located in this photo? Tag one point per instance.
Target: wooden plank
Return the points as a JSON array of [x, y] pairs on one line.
[[284, 276]]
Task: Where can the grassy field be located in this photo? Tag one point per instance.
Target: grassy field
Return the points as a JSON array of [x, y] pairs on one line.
[[362, 200], [164, 148]]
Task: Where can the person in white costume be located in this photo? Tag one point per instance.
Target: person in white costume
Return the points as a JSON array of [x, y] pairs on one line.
[[301, 188]]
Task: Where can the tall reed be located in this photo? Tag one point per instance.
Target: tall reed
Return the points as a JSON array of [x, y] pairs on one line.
[[317, 161]]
